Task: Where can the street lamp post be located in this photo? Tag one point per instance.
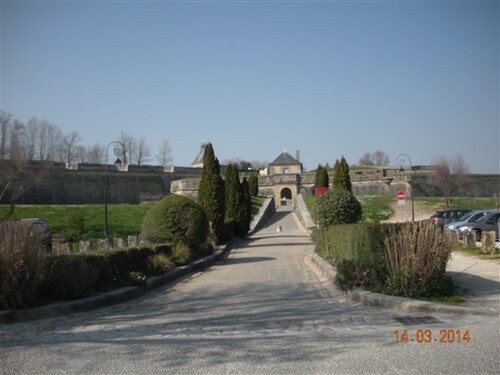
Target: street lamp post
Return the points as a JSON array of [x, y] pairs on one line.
[[401, 159], [106, 187]]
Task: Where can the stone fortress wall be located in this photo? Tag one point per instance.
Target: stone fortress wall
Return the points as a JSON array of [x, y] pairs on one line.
[[84, 184]]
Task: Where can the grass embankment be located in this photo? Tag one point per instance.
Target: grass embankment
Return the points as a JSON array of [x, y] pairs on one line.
[[375, 207], [437, 203], [86, 222]]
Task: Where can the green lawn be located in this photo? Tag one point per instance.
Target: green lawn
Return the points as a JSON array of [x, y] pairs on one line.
[[375, 207], [66, 220], [437, 203], [256, 203]]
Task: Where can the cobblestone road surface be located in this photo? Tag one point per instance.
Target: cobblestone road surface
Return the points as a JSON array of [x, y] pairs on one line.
[[259, 311]]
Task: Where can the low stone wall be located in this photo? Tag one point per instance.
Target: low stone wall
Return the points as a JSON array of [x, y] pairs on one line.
[[303, 213], [267, 210], [117, 243]]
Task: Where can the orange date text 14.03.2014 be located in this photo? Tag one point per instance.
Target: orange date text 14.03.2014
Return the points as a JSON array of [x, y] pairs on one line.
[[442, 336]]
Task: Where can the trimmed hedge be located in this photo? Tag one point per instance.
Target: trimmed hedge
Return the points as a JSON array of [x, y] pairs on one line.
[[175, 219], [337, 207], [70, 276]]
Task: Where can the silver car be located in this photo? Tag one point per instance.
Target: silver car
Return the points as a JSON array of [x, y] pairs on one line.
[[487, 223], [471, 217]]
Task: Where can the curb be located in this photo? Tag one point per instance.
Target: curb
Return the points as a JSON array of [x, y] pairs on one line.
[[326, 272], [114, 296]]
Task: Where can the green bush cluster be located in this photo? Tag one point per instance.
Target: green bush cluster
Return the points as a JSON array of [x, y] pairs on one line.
[[338, 206], [398, 259], [175, 219]]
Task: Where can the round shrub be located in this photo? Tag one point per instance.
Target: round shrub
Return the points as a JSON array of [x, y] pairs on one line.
[[338, 206], [175, 219]]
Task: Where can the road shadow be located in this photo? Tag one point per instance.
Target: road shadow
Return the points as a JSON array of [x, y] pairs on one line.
[[469, 285]]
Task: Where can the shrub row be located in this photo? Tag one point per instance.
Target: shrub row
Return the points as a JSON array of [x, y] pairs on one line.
[[70, 276], [398, 259]]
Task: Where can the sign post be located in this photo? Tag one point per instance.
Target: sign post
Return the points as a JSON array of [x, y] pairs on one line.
[[401, 196]]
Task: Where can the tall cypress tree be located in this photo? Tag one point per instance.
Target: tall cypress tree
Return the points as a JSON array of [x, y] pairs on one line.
[[321, 177], [211, 193], [245, 207], [316, 175], [253, 184], [233, 195], [341, 178]]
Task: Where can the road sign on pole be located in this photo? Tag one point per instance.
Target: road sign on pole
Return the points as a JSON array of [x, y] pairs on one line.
[[401, 195]]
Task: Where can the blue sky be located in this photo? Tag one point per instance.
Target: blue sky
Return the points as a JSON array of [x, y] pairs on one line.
[[328, 78]]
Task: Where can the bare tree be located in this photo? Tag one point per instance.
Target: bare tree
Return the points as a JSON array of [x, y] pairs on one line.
[[164, 155], [126, 152], [461, 173], [95, 154], [67, 147], [5, 127], [16, 178], [366, 159], [17, 139], [32, 137], [450, 178], [378, 158], [80, 154], [259, 164], [143, 152], [48, 138]]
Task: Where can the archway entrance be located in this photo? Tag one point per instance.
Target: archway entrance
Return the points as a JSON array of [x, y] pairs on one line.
[[286, 196]]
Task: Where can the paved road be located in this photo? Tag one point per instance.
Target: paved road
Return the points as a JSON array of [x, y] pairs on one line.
[[478, 280], [261, 311]]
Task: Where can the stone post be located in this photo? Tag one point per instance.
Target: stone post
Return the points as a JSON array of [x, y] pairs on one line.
[[469, 240], [118, 243], [488, 242], [85, 246], [103, 245], [133, 241], [64, 248]]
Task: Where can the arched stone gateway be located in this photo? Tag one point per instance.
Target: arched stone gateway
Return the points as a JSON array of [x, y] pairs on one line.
[[285, 196], [286, 193]]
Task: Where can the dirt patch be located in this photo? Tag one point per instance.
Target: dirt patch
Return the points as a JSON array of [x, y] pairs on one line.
[[403, 213]]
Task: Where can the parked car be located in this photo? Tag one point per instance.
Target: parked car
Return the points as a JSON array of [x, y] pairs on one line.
[[470, 217], [487, 223], [35, 226], [447, 216]]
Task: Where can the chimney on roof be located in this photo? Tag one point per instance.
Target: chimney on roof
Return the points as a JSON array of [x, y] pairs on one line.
[[297, 155]]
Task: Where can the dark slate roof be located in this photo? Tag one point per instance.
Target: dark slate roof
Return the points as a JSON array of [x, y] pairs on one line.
[[285, 159]]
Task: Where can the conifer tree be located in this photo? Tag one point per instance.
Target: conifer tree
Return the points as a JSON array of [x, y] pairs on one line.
[[253, 184], [341, 178], [321, 177], [211, 193], [316, 175], [246, 207], [233, 195]]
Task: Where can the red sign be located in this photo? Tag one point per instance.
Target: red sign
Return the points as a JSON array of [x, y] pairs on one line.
[[401, 195]]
